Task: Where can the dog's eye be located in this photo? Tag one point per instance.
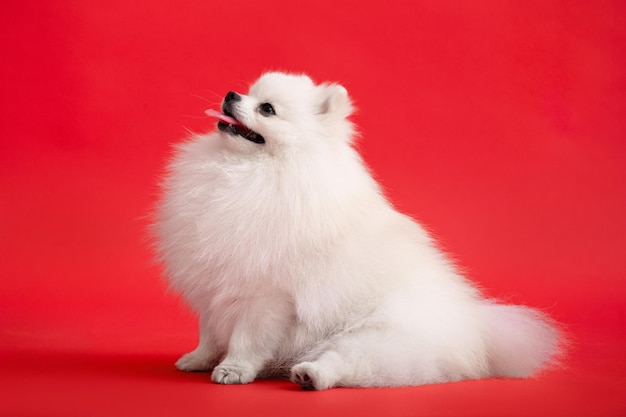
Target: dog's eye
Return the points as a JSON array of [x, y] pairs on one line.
[[267, 109]]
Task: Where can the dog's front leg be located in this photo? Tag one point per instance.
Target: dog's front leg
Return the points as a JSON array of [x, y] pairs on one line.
[[257, 333], [205, 356]]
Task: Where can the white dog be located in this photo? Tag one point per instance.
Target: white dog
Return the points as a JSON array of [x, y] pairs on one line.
[[276, 234]]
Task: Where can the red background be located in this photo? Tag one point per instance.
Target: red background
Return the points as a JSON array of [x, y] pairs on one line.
[[500, 125]]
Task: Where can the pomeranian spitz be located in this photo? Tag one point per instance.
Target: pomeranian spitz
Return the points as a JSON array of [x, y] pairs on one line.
[[274, 231]]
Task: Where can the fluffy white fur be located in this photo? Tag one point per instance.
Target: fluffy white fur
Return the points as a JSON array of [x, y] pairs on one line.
[[299, 267]]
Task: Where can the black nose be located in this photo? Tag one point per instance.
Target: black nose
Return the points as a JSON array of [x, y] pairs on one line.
[[232, 96]]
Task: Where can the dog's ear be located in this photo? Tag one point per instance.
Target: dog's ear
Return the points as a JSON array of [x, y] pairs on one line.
[[335, 101]]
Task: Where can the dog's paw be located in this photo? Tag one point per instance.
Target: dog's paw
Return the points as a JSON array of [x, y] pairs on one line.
[[232, 374], [194, 362], [308, 376]]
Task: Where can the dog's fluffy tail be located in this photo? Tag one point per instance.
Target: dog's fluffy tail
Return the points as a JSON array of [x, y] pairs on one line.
[[521, 340]]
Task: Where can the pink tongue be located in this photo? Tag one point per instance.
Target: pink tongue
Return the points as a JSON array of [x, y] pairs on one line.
[[221, 116]]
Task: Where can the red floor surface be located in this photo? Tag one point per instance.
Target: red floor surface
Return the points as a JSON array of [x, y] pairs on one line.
[[500, 125]]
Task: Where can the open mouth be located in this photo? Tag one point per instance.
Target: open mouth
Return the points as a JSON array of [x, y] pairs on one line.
[[227, 123]]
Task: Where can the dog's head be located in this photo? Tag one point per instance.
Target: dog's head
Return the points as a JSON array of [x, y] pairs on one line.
[[282, 111]]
